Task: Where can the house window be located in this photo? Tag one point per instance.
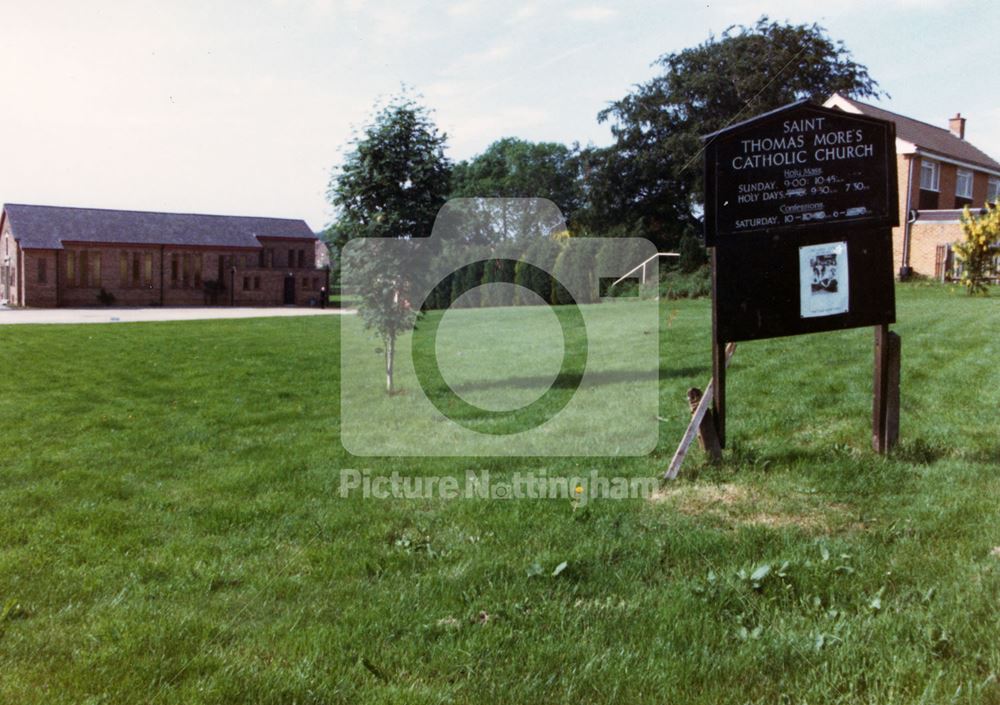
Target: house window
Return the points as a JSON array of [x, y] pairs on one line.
[[149, 269], [199, 264], [256, 283], [963, 183], [175, 268], [123, 269], [930, 175], [42, 274], [305, 284], [71, 268], [95, 269], [186, 272], [302, 258], [246, 283], [993, 189]]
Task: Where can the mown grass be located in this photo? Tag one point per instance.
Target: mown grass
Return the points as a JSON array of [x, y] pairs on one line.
[[172, 531]]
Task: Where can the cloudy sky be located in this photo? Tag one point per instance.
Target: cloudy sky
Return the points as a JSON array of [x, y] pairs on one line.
[[245, 107]]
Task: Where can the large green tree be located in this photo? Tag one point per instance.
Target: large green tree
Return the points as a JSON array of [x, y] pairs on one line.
[[392, 183], [516, 168], [513, 168], [652, 174]]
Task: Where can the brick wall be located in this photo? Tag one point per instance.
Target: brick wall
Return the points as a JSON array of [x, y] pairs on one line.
[[138, 275], [903, 179], [271, 283], [303, 252], [130, 290], [40, 278], [946, 185], [926, 236], [980, 183], [10, 275], [902, 176], [924, 240]]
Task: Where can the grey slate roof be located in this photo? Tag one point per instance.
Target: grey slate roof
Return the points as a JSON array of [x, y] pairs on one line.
[[930, 137], [48, 227]]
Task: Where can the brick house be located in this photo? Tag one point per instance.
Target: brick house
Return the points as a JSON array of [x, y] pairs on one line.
[[53, 256], [939, 174]]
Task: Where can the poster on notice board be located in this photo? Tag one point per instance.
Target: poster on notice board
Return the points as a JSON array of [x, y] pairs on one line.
[[823, 279]]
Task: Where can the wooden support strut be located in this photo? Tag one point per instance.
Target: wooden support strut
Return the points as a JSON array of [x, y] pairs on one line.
[[701, 424], [885, 390]]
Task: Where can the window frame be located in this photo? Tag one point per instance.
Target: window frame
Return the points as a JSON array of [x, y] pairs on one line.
[[935, 169], [966, 176], [993, 189]]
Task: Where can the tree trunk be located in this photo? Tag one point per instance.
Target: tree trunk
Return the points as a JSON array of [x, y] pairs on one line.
[[390, 354]]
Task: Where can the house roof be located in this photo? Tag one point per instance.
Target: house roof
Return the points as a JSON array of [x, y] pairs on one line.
[[48, 227], [931, 138]]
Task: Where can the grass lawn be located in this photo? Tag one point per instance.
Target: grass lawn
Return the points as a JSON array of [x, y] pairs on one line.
[[172, 531]]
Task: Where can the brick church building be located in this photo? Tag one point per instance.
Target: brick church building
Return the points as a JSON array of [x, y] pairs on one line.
[[54, 256]]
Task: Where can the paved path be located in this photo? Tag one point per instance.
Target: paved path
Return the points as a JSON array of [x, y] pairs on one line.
[[128, 315]]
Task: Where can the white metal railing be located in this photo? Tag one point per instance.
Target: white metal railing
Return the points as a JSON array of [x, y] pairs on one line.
[[643, 266]]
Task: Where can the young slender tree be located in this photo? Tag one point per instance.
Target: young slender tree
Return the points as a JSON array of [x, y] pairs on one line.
[[392, 184]]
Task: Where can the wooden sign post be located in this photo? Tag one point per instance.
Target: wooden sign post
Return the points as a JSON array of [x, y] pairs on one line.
[[885, 399], [800, 204]]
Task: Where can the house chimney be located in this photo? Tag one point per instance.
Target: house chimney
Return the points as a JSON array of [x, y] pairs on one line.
[[957, 126]]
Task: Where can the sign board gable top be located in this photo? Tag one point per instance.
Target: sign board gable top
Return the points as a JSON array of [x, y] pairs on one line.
[[802, 167], [756, 118]]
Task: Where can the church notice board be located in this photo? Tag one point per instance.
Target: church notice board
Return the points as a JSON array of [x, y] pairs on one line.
[[799, 209]]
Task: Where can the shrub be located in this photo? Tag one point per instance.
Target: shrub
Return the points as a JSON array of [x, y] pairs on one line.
[[440, 298], [498, 271], [979, 250], [679, 285], [692, 254], [105, 297], [465, 282], [542, 253], [575, 268]]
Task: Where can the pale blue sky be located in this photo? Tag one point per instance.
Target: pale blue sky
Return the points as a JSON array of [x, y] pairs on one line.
[[244, 107]]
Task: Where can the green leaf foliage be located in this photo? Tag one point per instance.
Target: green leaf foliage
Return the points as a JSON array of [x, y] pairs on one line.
[[979, 251], [392, 184], [516, 168], [651, 175]]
